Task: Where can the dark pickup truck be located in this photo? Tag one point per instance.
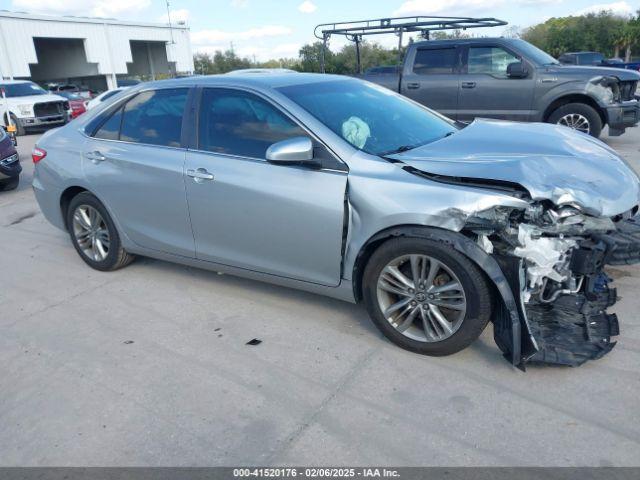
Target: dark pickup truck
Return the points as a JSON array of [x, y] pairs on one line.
[[513, 80], [596, 59]]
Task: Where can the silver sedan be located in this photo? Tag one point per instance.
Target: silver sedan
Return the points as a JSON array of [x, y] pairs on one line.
[[343, 188]]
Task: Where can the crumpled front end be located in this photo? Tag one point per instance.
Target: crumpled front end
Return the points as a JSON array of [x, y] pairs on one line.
[[554, 259]]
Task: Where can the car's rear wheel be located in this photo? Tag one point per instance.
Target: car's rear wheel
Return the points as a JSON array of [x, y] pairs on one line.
[[425, 296], [578, 116], [9, 184], [94, 234]]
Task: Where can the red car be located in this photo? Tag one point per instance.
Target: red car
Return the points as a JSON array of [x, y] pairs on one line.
[[76, 102]]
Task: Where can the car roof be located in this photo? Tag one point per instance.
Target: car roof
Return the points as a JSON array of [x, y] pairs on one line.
[[257, 80], [13, 82]]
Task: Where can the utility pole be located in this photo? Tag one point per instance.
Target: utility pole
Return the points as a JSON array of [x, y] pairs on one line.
[[169, 19]]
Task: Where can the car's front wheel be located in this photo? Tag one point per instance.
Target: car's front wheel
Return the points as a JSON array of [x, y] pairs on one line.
[[425, 296], [94, 234]]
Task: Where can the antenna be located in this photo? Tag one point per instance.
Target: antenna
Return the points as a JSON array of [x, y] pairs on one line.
[[169, 18]]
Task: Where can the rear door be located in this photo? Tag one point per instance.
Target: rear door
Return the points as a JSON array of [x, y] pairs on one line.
[[431, 77], [485, 89], [134, 162], [252, 214]]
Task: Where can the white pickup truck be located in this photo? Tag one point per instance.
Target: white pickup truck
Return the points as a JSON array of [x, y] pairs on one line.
[[30, 106]]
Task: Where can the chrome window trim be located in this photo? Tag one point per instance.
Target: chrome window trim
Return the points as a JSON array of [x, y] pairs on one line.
[[256, 159], [138, 143]]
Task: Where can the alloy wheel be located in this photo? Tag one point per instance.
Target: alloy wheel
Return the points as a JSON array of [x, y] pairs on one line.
[[91, 232], [421, 298], [575, 121]]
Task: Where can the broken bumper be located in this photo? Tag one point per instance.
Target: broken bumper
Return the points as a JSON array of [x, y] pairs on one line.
[[573, 326], [622, 116]]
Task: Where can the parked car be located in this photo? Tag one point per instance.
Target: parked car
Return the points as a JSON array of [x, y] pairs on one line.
[[596, 59], [340, 187], [9, 163], [127, 82], [79, 90], [94, 102], [30, 106], [76, 103], [513, 80]]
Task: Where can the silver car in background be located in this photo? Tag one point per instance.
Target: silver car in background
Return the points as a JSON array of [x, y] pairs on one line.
[[343, 188]]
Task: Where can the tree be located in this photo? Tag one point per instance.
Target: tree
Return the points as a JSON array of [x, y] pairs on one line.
[[220, 62], [600, 32], [603, 32], [310, 58]]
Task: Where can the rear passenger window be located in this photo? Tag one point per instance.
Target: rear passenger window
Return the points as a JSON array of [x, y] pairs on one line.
[[110, 130], [240, 123], [435, 60], [154, 117]]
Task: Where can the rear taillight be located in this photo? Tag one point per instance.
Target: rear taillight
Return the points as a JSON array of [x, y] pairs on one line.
[[38, 154]]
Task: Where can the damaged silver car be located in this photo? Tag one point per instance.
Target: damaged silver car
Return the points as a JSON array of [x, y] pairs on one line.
[[346, 189]]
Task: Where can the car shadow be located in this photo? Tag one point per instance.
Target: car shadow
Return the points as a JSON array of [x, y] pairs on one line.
[[276, 292]]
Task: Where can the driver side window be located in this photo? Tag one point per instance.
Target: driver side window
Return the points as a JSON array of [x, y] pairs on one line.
[[490, 60], [240, 123]]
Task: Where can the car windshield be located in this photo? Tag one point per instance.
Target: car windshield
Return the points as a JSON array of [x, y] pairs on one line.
[[22, 89], [534, 54], [371, 118]]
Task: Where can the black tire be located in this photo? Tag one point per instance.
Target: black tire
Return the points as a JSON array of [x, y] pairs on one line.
[[19, 128], [9, 184], [586, 111], [476, 289], [116, 256]]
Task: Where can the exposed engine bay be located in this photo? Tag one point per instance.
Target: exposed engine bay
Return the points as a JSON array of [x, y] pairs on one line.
[[554, 260]]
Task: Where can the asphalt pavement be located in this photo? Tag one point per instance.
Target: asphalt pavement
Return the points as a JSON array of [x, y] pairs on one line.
[[149, 366]]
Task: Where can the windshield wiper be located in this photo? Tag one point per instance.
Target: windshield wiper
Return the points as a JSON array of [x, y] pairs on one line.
[[400, 149]]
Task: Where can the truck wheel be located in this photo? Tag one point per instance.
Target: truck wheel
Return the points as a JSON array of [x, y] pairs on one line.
[[425, 296], [19, 128], [578, 116]]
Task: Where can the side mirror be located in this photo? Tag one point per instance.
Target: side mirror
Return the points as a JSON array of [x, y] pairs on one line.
[[516, 70], [293, 151]]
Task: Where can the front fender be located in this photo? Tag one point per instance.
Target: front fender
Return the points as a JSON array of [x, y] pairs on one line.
[[511, 331], [570, 89]]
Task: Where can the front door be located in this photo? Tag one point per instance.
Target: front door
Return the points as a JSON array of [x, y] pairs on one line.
[[487, 92], [433, 78], [249, 213], [135, 164]]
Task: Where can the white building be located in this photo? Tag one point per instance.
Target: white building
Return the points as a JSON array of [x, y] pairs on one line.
[[90, 51]]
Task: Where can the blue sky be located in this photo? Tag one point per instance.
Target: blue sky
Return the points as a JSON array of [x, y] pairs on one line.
[[273, 29]]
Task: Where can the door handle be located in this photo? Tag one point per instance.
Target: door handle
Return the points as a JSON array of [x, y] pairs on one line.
[[199, 175], [468, 84], [95, 157], [413, 85]]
